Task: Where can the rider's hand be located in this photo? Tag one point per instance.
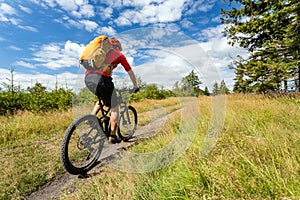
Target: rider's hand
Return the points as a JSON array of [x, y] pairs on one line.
[[135, 90]]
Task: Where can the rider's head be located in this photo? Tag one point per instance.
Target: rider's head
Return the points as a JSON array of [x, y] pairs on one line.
[[116, 44]]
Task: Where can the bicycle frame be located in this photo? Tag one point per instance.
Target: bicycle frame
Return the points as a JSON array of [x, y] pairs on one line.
[[121, 103], [123, 109]]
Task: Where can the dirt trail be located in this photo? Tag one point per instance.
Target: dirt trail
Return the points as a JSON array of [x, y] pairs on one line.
[[53, 189]]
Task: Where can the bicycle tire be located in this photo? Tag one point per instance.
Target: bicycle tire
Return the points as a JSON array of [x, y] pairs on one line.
[[82, 145], [127, 123]]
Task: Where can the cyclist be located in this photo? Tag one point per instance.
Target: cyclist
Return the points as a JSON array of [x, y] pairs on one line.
[[100, 83]]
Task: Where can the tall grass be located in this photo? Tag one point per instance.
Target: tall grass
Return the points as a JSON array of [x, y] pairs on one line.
[[30, 151], [30, 145], [256, 157]]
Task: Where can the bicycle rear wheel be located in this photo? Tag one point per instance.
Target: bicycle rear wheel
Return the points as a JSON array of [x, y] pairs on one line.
[[127, 123], [82, 145]]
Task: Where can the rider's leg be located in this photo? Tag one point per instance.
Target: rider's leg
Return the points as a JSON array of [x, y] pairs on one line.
[[96, 108], [113, 122], [113, 119], [114, 114]]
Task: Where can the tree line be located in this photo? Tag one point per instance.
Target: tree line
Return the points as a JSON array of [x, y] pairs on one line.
[[190, 86], [38, 99], [35, 99]]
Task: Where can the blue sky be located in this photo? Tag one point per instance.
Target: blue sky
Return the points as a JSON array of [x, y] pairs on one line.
[[163, 39]]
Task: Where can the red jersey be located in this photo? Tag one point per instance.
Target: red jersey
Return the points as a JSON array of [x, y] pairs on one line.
[[113, 58]]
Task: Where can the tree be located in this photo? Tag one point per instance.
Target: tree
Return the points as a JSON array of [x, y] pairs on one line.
[[223, 88], [10, 86], [38, 88], [215, 89], [84, 97], [191, 84], [206, 91], [270, 32]]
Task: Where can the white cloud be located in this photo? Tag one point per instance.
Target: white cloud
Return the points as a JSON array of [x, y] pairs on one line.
[[84, 11], [105, 12], [168, 66], [62, 80], [185, 23], [113, 4], [4, 74], [70, 23], [146, 12], [24, 64], [55, 56], [212, 32], [28, 28], [87, 11], [76, 8], [7, 9], [51, 3], [138, 3], [6, 13], [123, 21], [220, 52], [15, 48], [216, 44], [106, 30], [133, 12], [25, 9], [192, 6], [216, 19], [89, 25], [159, 11], [69, 5]]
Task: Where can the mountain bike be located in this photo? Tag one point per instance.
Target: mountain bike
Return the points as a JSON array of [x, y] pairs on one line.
[[86, 136]]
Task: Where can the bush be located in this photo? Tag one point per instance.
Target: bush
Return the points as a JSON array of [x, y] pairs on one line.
[[35, 99], [152, 92]]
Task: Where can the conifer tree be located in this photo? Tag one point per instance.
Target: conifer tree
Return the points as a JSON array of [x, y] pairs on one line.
[[215, 89], [206, 91], [270, 31], [223, 88], [191, 84]]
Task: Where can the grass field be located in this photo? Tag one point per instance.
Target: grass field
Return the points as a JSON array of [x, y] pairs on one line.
[[257, 155]]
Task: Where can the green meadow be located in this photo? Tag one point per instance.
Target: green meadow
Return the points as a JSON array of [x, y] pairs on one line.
[[256, 156]]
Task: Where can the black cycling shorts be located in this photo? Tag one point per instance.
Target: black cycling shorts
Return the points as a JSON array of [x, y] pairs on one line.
[[103, 87]]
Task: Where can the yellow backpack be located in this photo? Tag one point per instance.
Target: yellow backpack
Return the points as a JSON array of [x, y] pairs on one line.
[[94, 54]]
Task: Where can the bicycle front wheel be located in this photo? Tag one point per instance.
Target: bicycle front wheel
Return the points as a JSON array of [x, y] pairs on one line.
[[82, 145], [127, 123]]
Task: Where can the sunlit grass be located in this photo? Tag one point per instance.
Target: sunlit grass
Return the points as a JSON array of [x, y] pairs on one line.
[[150, 109], [30, 145], [256, 157]]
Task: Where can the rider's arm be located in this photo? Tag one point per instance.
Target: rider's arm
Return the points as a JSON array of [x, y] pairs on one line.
[[127, 67], [133, 78]]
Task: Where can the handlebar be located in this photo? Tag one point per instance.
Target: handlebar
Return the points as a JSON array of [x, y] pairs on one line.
[[134, 90]]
